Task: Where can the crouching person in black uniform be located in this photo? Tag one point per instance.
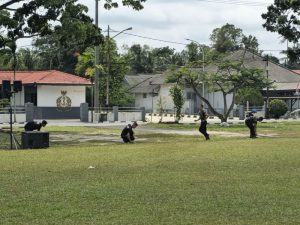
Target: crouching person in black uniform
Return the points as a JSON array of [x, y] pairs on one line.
[[32, 125], [251, 123], [127, 133]]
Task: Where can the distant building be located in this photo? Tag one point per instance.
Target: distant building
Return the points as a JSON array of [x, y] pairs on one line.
[[149, 88], [54, 94]]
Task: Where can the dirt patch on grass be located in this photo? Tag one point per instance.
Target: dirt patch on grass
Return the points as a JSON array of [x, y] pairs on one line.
[[114, 138]]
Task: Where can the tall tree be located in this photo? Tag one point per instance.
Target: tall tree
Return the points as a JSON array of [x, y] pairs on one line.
[[225, 76], [34, 17], [116, 73], [176, 92], [141, 59], [40, 18], [144, 59], [283, 17], [250, 43], [227, 38]]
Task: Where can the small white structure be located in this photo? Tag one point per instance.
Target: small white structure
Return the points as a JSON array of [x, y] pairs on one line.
[[55, 94]]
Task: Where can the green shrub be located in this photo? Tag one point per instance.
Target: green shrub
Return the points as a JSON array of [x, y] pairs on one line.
[[278, 108]]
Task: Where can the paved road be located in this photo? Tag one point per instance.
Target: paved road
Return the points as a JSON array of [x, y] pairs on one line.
[[154, 120]]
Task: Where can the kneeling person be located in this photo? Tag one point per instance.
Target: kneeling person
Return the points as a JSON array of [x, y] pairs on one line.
[[127, 133], [32, 125]]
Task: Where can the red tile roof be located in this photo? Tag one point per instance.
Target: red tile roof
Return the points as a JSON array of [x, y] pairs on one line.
[[297, 71], [44, 77]]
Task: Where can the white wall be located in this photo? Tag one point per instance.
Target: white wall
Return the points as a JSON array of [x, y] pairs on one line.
[[48, 94], [140, 101], [217, 101], [19, 98], [164, 93], [150, 101], [20, 118]]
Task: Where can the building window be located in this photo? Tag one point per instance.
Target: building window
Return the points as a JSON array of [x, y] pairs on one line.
[[144, 95], [190, 96]]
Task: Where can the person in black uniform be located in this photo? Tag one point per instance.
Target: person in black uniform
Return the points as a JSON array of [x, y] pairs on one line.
[[203, 124], [32, 125], [251, 123], [127, 133]]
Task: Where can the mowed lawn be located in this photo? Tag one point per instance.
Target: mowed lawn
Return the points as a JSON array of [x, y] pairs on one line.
[[167, 179]]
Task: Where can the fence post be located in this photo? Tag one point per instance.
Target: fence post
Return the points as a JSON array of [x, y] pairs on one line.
[[116, 112], [84, 112], [241, 112], [29, 111], [143, 112]]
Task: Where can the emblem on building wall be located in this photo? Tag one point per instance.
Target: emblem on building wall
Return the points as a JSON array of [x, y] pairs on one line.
[[63, 103]]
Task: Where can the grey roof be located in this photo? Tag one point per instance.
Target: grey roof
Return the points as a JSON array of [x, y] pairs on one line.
[[284, 79], [146, 83], [133, 80], [277, 73]]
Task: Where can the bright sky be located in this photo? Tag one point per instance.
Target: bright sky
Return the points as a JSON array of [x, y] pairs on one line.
[[176, 20]]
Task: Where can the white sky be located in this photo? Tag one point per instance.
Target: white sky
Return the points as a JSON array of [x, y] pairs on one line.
[[176, 20]]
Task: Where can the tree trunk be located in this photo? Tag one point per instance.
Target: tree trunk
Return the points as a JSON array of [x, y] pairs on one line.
[[231, 105], [225, 106], [219, 115]]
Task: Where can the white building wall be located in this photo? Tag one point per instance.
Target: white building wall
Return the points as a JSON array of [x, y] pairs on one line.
[[166, 98], [48, 94], [217, 101], [150, 102], [140, 101], [19, 96]]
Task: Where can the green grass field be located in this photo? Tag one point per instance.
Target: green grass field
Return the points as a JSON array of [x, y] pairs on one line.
[[166, 179]]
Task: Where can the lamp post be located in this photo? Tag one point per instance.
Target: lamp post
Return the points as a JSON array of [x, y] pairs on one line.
[[203, 60], [109, 60], [96, 80]]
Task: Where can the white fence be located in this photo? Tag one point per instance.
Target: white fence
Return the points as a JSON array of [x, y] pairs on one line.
[[18, 115], [116, 114]]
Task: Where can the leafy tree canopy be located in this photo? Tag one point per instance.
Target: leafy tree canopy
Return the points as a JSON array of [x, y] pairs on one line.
[[230, 38], [144, 59], [226, 38], [23, 18], [283, 17], [251, 95], [118, 69], [225, 76]]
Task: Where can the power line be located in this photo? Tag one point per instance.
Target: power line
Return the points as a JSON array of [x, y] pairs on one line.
[[237, 2], [166, 41], [154, 39]]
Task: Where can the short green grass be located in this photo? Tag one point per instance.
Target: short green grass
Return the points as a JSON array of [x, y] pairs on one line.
[[168, 179]]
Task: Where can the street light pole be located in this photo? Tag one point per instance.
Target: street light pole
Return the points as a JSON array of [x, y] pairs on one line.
[[203, 61], [96, 80], [109, 60]]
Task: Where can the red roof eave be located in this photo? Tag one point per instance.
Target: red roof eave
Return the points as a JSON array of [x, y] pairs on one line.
[[52, 77]]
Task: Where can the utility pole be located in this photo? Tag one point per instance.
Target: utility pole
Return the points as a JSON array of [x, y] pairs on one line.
[[267, 92], [96, 80], [108, 66], [109, 59]]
